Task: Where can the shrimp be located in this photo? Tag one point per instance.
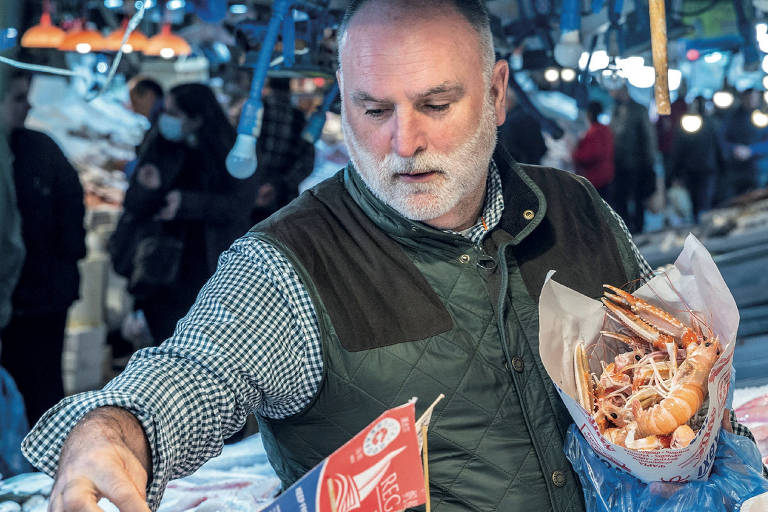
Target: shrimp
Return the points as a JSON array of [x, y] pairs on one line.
[[686, 394], [650, 323]]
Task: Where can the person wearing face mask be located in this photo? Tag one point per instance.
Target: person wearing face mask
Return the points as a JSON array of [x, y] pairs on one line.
[[414, 271], [182, 209]]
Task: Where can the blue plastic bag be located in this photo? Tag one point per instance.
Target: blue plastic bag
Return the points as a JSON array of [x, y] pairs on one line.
[[736, 476], [13, 427]]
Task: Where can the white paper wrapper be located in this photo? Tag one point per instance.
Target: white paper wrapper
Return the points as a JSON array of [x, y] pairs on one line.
[[567, 317]]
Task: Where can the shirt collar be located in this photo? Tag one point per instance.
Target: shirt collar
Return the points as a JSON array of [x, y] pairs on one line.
[[493, 207]]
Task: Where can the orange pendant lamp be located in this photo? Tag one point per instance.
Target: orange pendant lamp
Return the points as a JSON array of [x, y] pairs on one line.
[[82, 40], [166, 44], [44, 34], [136, 41]]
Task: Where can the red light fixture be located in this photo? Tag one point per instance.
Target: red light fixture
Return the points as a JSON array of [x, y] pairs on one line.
[[166, 44], [45, 34], [82, 40], [692, 54]]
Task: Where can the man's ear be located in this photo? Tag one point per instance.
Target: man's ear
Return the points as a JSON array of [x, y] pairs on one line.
[[499, 80]]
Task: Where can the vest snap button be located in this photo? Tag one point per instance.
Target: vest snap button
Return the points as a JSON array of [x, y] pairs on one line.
[[464, 258], [414, 228], [518, 364], [558, 478], [528, 214]]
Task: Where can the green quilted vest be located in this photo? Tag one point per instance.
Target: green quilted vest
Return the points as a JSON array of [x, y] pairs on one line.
[[407, 310]]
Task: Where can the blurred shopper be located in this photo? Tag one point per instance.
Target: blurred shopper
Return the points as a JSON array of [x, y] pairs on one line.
[[521, 133], [667, 129], [50, 200], [182, 208], [738, 130], [698, 160], [634, 154], [593, 156], [146, 97], [285, 159]]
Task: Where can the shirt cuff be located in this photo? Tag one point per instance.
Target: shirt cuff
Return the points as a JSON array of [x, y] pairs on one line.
[[42, 446]]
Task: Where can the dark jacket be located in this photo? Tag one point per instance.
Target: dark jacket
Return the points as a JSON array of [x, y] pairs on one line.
[[408, 310], [50, 201], [697, 154]]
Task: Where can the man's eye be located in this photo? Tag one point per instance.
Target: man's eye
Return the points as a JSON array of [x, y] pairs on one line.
[[438, 108], [375, 113]]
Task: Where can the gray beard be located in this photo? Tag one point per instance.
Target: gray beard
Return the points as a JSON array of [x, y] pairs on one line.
[[461, 171]]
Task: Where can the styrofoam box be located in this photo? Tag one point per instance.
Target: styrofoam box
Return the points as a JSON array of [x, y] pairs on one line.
[[89, 309], [82, 361]]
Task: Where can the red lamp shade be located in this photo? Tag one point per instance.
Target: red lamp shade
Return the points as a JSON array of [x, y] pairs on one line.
[[136, 41], [166, 44], [43, 35], [82, 40]]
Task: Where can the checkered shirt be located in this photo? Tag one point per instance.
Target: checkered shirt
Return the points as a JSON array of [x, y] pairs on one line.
[[250, 343]]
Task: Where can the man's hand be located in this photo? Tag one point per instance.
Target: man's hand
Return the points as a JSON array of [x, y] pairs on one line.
[[106, 455]]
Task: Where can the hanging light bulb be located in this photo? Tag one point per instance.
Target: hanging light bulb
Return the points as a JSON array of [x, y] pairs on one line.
[[241, 161], [166, 44], [568, 50], [44, 34], [599, 60], [674, 77], [722, 99], [759, 119], [567, 75], [691, 123], [551, 75], [642, 77]]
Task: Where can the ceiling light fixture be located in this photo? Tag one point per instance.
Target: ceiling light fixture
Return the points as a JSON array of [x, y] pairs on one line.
[[44, 34]]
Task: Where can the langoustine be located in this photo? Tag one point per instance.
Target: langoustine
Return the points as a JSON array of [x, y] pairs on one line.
[[645, 397]]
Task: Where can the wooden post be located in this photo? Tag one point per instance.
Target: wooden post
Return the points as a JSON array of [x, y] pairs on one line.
[[425, 460], [659, 47]]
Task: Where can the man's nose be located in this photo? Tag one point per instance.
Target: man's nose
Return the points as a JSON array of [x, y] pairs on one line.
[[409, 137]]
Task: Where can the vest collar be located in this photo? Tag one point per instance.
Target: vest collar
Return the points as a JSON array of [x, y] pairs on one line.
[[524, 206]]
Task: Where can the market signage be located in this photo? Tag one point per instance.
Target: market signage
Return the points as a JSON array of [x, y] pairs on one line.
[[378, 470]]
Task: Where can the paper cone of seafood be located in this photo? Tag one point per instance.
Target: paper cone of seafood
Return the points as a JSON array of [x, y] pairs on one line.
[[567, 317]]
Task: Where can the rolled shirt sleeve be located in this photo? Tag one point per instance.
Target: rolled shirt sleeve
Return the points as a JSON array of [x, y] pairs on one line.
[[250, 343]]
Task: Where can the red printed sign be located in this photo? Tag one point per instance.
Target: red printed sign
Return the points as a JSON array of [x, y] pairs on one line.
[[378, 470]]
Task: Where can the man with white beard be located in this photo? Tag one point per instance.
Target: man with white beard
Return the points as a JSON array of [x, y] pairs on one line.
[[415, 271]]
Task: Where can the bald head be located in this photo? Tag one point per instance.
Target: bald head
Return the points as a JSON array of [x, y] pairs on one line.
[[409, 12]]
